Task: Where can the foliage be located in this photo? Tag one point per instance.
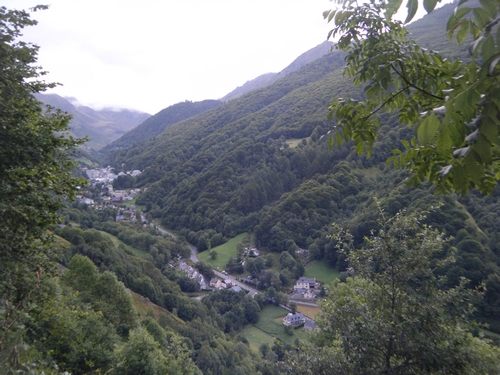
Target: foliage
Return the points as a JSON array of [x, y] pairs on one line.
[[142, 354], [35, 165], [393, 317], [452, 105], [154, 125], [237, 309]]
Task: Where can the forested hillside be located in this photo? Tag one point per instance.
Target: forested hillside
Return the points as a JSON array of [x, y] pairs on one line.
[[159, 122], [91, 284], [101, 126], [261, 163]]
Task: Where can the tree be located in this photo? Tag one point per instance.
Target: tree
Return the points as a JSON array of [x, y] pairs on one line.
[[453, 105], [142, 355], [393, 317], [35, 165]]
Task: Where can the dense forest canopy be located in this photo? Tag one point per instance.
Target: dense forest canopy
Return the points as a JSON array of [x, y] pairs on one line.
[[260, 164]]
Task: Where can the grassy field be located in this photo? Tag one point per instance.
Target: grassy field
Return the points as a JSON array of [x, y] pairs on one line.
[[310, 311], [270, 327], [224, 252], [137, 252], [294, 142], [257, 337], [138, 207], [322, 272]]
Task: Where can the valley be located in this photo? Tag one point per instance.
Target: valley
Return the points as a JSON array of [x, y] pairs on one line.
[[321, 219]]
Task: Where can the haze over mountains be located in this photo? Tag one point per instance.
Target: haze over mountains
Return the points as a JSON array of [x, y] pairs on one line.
[[100, 126]]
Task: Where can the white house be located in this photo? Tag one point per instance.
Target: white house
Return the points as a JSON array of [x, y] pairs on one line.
[[304, 284], [292, 320], [201, 281], [215, 283]]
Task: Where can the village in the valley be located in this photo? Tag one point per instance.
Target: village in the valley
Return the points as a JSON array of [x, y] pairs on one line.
[[108, 196], [305, 291]]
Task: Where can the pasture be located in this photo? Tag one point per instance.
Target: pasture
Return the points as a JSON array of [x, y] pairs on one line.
[[322, 272], [224, 252]]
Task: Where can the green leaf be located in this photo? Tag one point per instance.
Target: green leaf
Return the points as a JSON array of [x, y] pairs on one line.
[[495, 60], [412, 9], [427, 129], [481, 16], [483, 148], [489, 130], [429, 5], [459, 178], [340, 17], [473, 47], [488, 48], [456, 18], [392, 8], [462, 32], [489, 6], [473, 167]]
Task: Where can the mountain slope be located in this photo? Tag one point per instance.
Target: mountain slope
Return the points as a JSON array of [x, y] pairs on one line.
[[268, 78], [259, 163], [160, 121], [101, 126]]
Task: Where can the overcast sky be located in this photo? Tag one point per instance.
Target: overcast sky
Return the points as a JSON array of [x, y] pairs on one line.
[[150, 54]]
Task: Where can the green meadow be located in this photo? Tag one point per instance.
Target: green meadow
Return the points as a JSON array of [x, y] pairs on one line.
[[224, 252], [322, 272], [137, 252], [270, 327]]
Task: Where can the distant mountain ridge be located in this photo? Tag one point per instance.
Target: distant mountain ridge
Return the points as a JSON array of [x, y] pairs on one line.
[[268, 78], [101, 126], [156, 124]]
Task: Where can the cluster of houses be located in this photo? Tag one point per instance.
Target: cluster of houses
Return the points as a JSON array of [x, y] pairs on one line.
[[107, 175], [214, 283], [127, 215], [112, 198], [193, 274], [224, 284]]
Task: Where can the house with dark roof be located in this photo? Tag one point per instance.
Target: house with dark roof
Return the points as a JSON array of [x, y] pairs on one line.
[[292, 320], [309, 325]]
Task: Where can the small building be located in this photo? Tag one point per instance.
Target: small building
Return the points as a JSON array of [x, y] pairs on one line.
[[304, 284], [184, 267], [228, 282], [293, 320], [309, 325], [201, 280], [253, 252], [192, 273], [135, 173], [236, 289], [309, 294], [116, 200], [215, 283]]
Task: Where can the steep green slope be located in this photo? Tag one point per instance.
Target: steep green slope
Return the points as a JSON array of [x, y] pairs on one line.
[[160, 121], [231, 170]]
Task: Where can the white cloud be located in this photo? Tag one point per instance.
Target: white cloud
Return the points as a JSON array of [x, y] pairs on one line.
[[151, 54]]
